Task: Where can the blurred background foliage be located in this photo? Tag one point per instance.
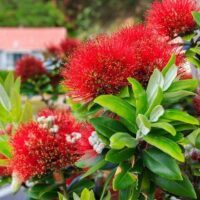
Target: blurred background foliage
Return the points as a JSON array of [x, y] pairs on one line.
[[81, 17]]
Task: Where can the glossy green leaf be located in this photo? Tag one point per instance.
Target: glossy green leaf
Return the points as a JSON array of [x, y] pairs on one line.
[[155, 100], [117, 156], [4, 162], [161, 164], [120, 140], [182, 188], [170, 76], [107, 126], [143, 124], [166, 145], [4, 99], [87, 195], [188, 85], [197, 142], [27, 112], [156, 113], [118, 106], [61, 196], [165, 126], [123, 180], [171, 62], [173, 97], [196, 16], [140, 96], [99, 165], [5, 149], [178, 115], [156, 80], [9, 83]]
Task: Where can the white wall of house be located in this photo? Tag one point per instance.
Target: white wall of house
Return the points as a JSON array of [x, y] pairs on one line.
[[8, 59]]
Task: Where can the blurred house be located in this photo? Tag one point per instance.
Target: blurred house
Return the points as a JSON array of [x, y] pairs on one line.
[[17, 42]]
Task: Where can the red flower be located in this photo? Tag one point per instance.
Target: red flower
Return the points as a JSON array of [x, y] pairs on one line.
[[148, 49], [99, 67], [37, 151], [196, 104], [53, 50], [28, 67], [102, 66], [68, 128], [68, 45], [172, 17]]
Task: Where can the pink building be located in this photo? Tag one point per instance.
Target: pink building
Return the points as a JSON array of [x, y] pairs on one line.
[[16, 42]]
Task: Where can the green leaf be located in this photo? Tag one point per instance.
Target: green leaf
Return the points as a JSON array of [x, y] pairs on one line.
[[171, 62], [106, 184], [5, 149], [27, 112], [107, 126], [165, 126], [140, 96], [156, 113], [124, 92], [143, 124], [4, 162], [123, 180], [155, 101], [117, 156], [192, 136], [182, 188], [189, 85], [178, 115], [166, 145], [78, 185], [118, 106], [120, 140], [61, 197], [161, 164], [197, 142], [9, 82], [87, 195], [194, 61], [99, 165], [4, 99], [156, 80], [196, 16], [173, 97], [170, 76]]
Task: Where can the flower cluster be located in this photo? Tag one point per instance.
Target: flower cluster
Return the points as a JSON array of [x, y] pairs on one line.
[[66, 47], [48, 144], [28, 67], [102, 66], [172, 17]]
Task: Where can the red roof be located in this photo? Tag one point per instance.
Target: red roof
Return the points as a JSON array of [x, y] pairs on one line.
[[29, 39]]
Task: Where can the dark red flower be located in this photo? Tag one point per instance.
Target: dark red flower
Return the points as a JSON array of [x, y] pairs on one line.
[[53, 50], [196, 104], [172, 17], [28, 67], [68, 45], [37, 151]]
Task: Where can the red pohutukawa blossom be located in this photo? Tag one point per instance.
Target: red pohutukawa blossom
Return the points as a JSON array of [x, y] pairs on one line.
[[53, 142], [53, 50], [172, 17], [149, 50], [28, 67], [68, 45], [98, 67], [102, 66]]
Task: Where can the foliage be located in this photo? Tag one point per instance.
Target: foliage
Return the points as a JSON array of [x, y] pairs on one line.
[[30, 13]]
